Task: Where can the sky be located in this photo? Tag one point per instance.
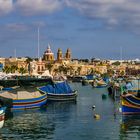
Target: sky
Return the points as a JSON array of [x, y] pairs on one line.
[[106, 29]]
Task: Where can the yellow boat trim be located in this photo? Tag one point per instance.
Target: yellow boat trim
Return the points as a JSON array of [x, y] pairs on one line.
[[125, 103]]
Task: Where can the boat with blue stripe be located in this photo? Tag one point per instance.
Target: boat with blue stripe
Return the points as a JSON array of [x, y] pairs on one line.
[[23, 98], [59, 91], [130, 104]]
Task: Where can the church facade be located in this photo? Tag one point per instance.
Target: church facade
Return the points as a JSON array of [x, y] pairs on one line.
[[48, 55]]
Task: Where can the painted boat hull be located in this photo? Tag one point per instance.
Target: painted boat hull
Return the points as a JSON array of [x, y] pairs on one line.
[[61, 97], [2, 116], [101, 86], [59, 92], [130, 104], [22, 104]]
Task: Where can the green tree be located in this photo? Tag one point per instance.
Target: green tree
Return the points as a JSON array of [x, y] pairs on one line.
[[117, 63], [6, 69], [49, 66], [79, 70], [22, 70], [13, 68]]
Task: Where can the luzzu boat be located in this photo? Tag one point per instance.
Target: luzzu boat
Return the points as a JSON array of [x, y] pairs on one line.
[[99, 84], [23, 98], [130, 104], [2, 116], [59, 92]]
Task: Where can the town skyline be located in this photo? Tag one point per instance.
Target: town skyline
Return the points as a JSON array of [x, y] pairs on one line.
[[90, 28]]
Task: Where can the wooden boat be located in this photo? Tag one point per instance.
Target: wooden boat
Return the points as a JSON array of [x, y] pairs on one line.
[[59, 92], [130, 104], [2, 116], [78, 78], [99, 84], [133, 91], [23, 98]]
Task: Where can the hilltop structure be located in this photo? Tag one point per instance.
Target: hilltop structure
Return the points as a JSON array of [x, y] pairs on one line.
[[49, 55]]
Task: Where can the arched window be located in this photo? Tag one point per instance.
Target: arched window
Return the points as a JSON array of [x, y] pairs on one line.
[[38, 68]]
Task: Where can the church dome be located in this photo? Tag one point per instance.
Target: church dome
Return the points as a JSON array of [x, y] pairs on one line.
[[48, 51]]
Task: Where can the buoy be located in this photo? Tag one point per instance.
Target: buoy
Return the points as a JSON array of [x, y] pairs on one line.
[[120, 110], [97, 116], [104, 96], [93, 106]]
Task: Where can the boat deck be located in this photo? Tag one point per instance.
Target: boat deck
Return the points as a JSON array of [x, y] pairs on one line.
[[21, 93]]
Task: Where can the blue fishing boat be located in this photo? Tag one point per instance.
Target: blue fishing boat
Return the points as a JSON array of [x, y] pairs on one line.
[[130, 99], [59, 92], [23, 98], [130, 104]]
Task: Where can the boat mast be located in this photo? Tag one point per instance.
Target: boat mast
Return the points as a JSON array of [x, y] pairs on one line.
[[121, 54], [138, 87], [38, 31]]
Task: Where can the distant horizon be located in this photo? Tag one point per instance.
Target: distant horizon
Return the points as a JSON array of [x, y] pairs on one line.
[[96, 58]]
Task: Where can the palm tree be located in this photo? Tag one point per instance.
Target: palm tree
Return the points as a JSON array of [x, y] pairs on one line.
[[79, 70], [6, 69], [22, 70], [49, 66], [28, 60], [71, 70], [13, 68]]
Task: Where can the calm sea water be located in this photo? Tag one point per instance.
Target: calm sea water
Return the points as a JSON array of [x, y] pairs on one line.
[[73, 120]]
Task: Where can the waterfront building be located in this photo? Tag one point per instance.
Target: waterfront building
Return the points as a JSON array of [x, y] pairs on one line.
[[37, 67], [40, 66], [18, 62]]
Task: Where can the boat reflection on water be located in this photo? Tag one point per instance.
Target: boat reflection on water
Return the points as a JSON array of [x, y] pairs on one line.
[[28, 124], [130, 127], [38, 123]]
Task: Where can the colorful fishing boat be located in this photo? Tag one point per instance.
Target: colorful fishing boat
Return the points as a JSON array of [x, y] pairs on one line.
[[59, 92], [99, 83], [23, 98], [2, 116], [130, 104]]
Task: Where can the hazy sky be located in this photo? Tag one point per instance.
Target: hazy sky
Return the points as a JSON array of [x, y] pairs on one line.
[[91, 28]]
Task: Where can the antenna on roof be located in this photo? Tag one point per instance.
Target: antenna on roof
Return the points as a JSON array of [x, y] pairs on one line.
[[15, 53], [121, 54]]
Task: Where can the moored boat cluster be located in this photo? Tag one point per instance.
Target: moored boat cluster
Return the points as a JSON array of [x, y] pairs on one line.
[[32, 93]]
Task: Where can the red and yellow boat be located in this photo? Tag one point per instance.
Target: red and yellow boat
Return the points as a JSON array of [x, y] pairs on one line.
[[130, 104]]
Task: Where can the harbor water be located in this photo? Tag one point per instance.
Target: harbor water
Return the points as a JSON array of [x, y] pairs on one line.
[[73, 120]]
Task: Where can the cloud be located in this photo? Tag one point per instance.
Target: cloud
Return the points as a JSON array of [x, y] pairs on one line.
[[122, 14], [16, 27], [113, 13], [6, 6], [35, 7]]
